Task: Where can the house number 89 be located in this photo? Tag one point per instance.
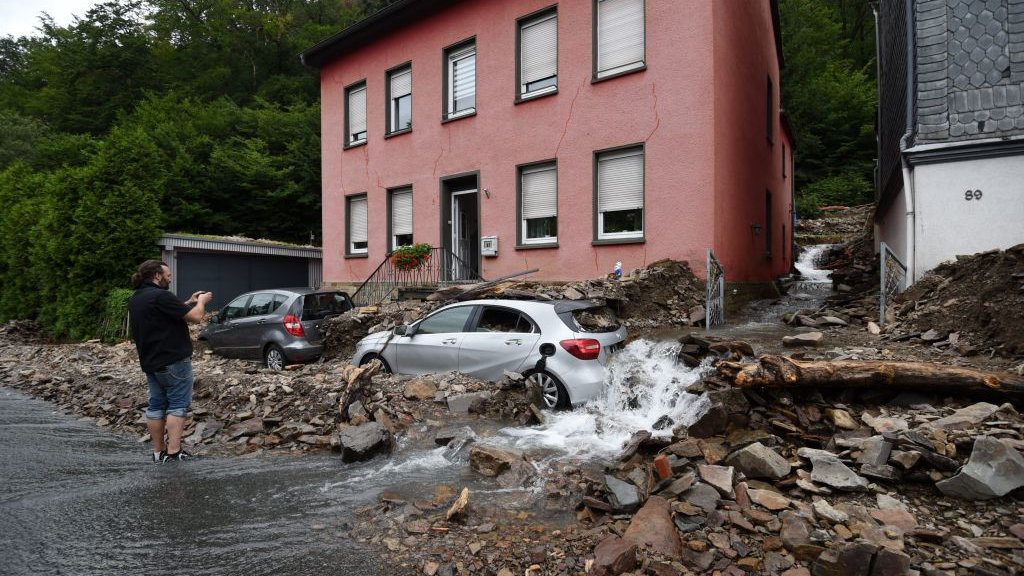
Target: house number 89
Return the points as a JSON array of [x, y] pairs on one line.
[[972, 195]]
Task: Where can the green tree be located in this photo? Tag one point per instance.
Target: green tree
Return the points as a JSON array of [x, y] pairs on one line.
[[22, 195], [830, 98], [78, 78], [115, 226]]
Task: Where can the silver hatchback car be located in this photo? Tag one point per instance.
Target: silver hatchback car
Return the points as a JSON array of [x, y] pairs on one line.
[[557, 345], [279, 326]]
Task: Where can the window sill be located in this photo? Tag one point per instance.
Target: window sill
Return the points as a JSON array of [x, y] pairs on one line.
[[612, 241], [528, 97], [354, 256], [354, 145], [546, 245], [596, 79], [458, 116], [398, 132]]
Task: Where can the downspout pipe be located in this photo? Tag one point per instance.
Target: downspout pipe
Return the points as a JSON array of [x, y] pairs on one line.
[[911, 232], [908, 176]]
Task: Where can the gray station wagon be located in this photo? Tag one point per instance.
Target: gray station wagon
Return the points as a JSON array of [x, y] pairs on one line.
[[280, 326]]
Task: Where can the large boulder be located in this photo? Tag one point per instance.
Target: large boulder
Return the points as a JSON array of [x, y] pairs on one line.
[[711, 423], [622, 495], [613, 556], [992, 470], [827, 469], [652, 528], [419, 389], [491, 461], [759, 461], [364, 441], [965, 417]]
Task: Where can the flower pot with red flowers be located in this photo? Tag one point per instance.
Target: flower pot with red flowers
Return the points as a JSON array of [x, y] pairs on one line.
[[410, 257]]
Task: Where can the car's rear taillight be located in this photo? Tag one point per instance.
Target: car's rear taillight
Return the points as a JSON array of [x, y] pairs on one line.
[[582, 348], [293, 326]]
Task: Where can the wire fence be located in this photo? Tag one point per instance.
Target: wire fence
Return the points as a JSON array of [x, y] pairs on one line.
[[892, 282]]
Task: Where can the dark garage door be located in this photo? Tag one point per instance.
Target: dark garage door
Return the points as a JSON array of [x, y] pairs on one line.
[[228, 275]]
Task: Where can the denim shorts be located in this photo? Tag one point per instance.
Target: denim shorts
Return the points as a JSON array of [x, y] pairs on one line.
[[170, 390]]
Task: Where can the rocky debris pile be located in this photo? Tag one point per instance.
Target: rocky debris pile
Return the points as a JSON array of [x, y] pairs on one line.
[[240, 408], [696, 348], [24, 332], [664, 293], [763, 482], [837, 224], [782, 485], [342, 333], [443, 536], [978, 298], [972, 305]]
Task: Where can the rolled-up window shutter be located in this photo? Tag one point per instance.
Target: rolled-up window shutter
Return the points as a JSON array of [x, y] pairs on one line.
[[357, 217], [540, 192], [401, 212], [401, 83], [620, 34], [356, 111], [620, 181], [540, 49]]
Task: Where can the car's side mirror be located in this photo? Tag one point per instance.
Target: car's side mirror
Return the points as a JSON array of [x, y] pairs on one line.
[[215, 319], [404, 330]]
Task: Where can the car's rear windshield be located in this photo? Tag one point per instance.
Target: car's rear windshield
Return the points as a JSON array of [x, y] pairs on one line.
[[324, 304], [593, 319]]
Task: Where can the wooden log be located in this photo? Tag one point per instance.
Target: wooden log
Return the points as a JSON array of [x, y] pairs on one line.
[[770, 371]]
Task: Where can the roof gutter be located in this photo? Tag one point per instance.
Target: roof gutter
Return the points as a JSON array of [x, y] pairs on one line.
[[391, 17]]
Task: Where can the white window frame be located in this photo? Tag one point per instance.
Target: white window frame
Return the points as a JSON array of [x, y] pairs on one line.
[[549, 54], [523, 173], [604, 157], [455, 55], [349, 102], [358, 205], [607, 31], [396, 230], [393, 99]]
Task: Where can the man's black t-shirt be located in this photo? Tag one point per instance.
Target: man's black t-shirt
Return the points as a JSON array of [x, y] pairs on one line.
[[158, 327]]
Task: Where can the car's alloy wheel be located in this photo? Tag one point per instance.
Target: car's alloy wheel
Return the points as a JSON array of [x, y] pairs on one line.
[[371, 357], [274, 357], [551, 390]]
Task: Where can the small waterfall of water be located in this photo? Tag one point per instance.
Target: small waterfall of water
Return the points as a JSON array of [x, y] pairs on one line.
[[645, 390], [808, 262]]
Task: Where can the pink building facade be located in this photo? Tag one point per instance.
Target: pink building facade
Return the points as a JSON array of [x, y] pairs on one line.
[[562, 136]]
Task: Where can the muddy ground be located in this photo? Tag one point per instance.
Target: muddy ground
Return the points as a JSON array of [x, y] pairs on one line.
[[694, 502]]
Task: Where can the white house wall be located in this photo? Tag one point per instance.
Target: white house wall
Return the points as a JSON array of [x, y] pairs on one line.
[[948, 224], [892, 226]]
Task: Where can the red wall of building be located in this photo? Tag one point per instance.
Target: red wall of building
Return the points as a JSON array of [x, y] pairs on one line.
[[697, 148], [747, 163]]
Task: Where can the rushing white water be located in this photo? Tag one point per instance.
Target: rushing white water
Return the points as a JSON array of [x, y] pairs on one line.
[[807, 263], [645, 390]]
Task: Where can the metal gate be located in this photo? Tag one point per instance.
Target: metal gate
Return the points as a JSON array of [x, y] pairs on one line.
[[715, 304], [893, 280]]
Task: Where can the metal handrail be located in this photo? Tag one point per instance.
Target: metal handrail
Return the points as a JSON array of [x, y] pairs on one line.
[[441, 266]]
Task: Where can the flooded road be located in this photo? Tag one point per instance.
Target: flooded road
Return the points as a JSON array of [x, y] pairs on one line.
[[76, 499]]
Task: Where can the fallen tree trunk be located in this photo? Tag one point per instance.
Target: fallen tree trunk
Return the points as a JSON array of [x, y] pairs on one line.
[[770, 371], [355, 377]]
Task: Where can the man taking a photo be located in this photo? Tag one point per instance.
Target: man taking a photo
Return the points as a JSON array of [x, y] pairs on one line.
[[159, 324]]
